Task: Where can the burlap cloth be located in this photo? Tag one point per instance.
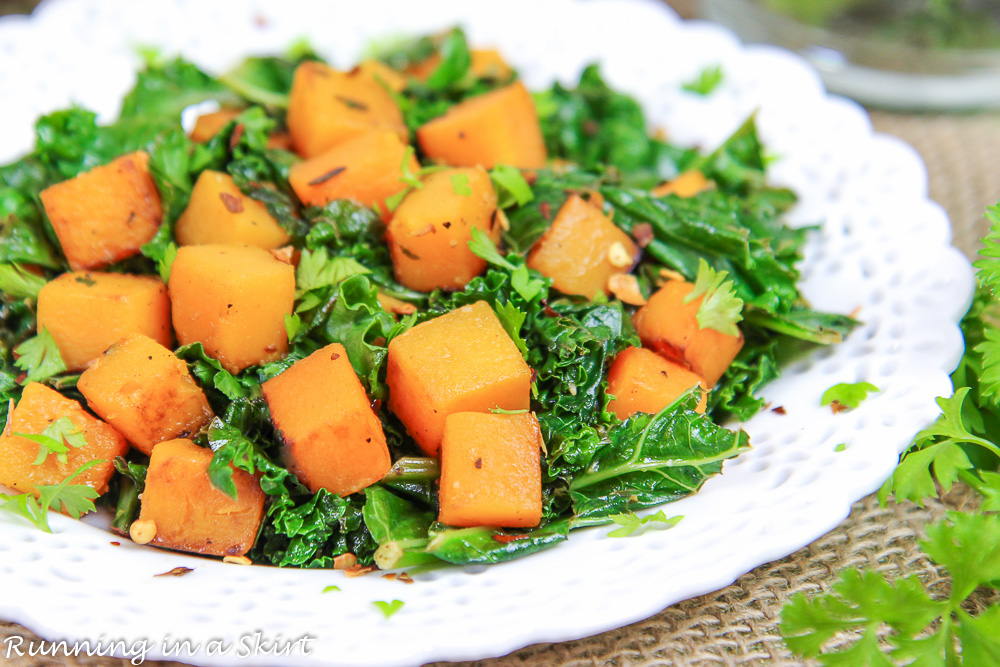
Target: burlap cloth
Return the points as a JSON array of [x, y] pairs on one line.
[[739, 624]]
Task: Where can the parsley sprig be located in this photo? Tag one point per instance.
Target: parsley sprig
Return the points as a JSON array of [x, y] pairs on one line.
[[74, 499], [902, 622], [56, 439], [720, 308]]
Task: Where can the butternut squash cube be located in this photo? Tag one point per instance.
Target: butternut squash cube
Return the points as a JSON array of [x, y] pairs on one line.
[[233, 300], [498, 127], [87, 312], [430, 231], [187, 513], [144, 391], [219, 213], [670, 326], [106, 214], [382, 74], [208, 125], [462, 361], [491, 472], [366, 169], [484, 64], [332, 438], [327, 107], [687, 184], [582, 250], [38, 408], [643, 381]]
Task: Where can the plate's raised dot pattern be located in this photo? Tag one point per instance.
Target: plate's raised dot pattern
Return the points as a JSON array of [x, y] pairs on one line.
[[882, 253]]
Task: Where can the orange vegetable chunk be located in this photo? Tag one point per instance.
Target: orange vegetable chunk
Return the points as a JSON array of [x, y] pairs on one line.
[[490, 470], [233, 300], [670, 326], [208, 125], [687, 184], [38, 408], [106, 214], [188, 513], [643, 381], [332, 438], [87, 312], [430, 230], [462, 361], [144, 391], [382, 74], [498, 127], [219, 213], [484, 64], [582, 250], [326, 107], [365, 169]]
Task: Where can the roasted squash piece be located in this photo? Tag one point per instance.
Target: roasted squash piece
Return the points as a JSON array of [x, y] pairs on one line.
[[484, 64], [144, 391], [491, 473], [182, 510], [462, 361], [38, 409], [106, 214], [498, 127], [582, 250], [643, 381], [382, 74], [233, 300], [366, 169], [327, 107], [219, 213], [687, 184], [208, 125], [332, 438], [430, 231], [86, 312], [670, 326]]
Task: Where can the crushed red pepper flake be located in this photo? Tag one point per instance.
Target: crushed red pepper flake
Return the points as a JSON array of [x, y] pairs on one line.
[[504, 539], [176, 572], [235, 137], [837, 407], [546, 209], [232, 203], [643, 234], [780, 410]]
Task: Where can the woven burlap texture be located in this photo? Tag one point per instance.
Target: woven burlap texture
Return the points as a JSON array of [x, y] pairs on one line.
[[739, 624]]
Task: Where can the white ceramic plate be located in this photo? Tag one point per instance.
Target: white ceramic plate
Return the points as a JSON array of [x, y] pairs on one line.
[[884, 251]]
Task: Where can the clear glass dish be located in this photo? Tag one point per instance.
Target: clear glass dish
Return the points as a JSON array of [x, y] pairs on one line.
[[903, 54]]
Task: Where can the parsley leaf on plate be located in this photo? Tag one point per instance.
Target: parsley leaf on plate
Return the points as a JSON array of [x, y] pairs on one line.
[[706, 81], [846, 394]]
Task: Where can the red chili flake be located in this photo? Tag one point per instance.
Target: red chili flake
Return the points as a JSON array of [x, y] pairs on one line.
[[780, 410], [176, 572], [335, 356], [643, 234], [327, 176], [479, 463], [546, 209], [548, 309], [590, 128], [376, 406], [446, 225], [380, 341], [116, 544], [837, 407], [534, 376], [236, 136], [504, 539], [232, 203], [271, 348]]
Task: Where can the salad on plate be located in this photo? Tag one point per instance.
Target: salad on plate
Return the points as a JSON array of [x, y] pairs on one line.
[[402, 314]]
